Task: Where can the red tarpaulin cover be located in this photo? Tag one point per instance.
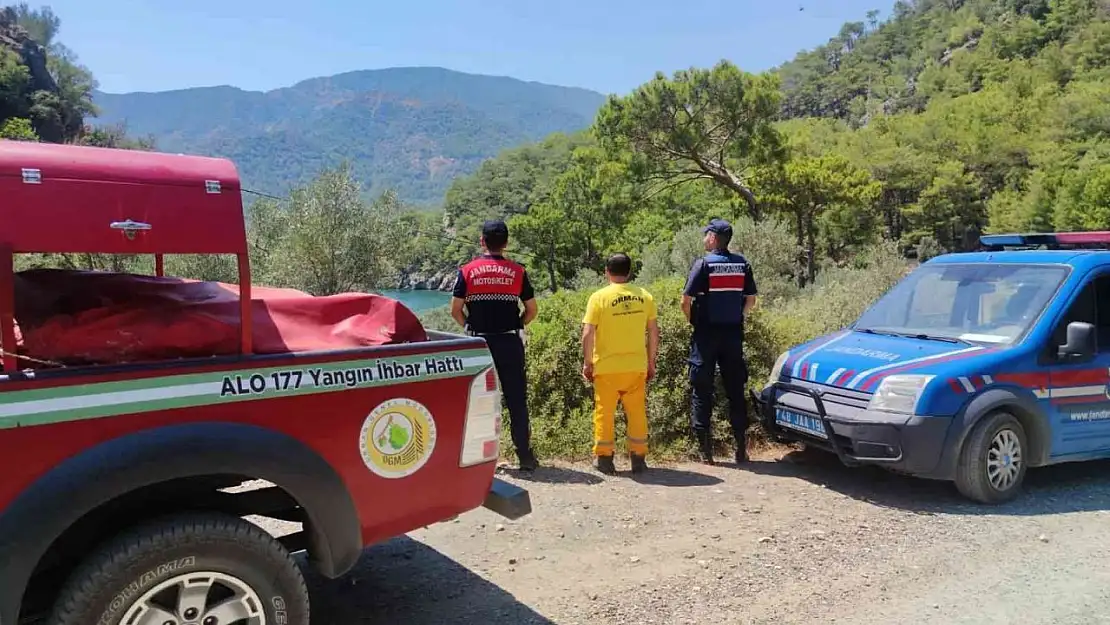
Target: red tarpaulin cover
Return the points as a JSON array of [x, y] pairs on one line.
[[76, 317]]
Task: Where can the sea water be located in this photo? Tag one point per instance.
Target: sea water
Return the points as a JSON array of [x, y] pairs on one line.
[[418, 301]]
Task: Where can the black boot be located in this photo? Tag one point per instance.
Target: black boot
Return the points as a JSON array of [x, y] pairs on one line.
[[605, 465], [705, 446], [639, 465], [741, 450], [527, 460]]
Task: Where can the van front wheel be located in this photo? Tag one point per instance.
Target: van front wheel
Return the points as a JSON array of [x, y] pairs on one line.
[[993, 460]]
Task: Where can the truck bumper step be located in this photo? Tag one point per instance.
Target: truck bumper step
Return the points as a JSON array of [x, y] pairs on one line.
[[508, 500]]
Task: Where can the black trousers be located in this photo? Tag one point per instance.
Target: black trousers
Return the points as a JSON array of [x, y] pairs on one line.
[[508, 359], [712, 347]]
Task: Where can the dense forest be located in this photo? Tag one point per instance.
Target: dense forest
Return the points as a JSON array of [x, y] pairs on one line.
[[407, 129], [899, 139]]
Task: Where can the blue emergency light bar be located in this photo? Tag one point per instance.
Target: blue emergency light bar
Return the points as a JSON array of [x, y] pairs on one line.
[[1099, 240]]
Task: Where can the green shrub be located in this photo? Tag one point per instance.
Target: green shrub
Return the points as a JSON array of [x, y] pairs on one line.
[[837, 298], [927, 248], [588, 279], [439, 318], [656, 262], [768, 244]]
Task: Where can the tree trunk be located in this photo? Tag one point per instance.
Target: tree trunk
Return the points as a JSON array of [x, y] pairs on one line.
[[811, 249], [551, 270], [722, 175], [799, 227], [749, 197], [888, 217]]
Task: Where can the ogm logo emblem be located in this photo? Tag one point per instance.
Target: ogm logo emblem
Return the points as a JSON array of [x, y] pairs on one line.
[[397, 438]]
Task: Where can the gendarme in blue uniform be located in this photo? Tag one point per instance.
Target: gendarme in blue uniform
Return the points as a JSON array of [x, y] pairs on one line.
[[719, 283]]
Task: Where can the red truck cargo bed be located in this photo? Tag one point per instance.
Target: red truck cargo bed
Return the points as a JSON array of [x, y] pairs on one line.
[[83, 317]]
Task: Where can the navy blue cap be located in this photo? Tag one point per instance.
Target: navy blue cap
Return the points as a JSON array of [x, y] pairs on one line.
[[494, 228], [719, 226]]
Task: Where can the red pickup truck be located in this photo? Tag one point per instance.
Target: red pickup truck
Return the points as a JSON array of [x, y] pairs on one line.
[[118, 499]]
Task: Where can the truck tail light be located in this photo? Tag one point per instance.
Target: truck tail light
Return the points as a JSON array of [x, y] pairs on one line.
[[482, 432]]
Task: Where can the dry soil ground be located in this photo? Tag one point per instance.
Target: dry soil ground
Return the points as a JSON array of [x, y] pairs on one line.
[[798, 539]]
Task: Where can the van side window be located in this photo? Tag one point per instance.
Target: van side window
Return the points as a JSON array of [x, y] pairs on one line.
[[1092, 305]]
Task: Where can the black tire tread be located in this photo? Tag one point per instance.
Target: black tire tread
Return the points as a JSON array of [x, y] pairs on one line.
[[111, 560], [971, 471]]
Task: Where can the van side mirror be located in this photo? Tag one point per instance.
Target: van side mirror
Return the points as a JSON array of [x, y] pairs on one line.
[[1081, 343]]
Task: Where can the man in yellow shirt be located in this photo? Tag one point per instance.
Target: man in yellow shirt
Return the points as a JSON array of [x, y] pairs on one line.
[[620, 338]]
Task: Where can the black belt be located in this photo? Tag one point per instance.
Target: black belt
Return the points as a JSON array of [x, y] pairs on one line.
[[472, 333]]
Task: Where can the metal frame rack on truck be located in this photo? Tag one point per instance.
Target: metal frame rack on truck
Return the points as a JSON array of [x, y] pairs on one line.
[[118, 501]]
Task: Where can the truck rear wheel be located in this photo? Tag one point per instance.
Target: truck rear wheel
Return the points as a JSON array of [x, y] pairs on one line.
[[203, 569], [993, 460]]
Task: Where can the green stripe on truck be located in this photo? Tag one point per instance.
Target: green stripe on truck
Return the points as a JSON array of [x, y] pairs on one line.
[[106, 399]]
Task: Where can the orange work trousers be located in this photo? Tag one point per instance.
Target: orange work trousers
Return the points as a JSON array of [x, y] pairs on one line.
[[630, 390]]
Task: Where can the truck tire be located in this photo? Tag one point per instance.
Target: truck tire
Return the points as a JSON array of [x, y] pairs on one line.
[[992, 462], [204, 568]]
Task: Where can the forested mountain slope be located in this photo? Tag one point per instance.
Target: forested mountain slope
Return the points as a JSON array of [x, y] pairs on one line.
[[973, 112], [408, 129], [931, 48]]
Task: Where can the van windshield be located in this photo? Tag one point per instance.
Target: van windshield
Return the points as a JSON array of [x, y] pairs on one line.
[[978, 303]]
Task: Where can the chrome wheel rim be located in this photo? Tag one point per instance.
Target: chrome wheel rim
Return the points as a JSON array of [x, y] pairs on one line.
[[204, 598], [1004, 460]]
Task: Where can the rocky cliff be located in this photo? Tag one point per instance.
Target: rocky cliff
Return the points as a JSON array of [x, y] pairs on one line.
[[441, 280], [51, 92], [13, 37]]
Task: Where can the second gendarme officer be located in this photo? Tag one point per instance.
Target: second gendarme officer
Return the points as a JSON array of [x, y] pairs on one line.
[[719, 293]]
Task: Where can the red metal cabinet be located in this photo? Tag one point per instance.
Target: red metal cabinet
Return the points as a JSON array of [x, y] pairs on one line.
[[57, 198]]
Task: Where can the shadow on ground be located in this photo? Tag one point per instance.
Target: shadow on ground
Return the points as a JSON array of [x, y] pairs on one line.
[[552, 475], [1071, 487], [405, 581], [663, 476], [657, 476]]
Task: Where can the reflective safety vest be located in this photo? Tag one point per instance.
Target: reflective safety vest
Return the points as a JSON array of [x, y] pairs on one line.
[[493, 287], [724, 280]]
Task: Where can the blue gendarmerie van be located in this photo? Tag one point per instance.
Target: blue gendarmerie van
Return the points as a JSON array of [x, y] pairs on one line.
[[973, 368]]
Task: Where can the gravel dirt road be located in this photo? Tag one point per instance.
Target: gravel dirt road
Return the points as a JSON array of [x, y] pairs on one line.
[[796, 539]]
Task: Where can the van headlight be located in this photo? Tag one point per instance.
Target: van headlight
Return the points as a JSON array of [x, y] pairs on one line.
[[899, 393], [776, 370]]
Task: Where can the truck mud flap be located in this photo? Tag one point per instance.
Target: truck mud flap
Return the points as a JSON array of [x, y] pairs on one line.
[[508, 500]]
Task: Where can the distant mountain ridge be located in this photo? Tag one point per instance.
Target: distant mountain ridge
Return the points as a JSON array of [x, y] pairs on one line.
[[412, 129]]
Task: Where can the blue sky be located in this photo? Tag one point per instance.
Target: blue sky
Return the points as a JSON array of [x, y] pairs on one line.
[[606, 45]]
